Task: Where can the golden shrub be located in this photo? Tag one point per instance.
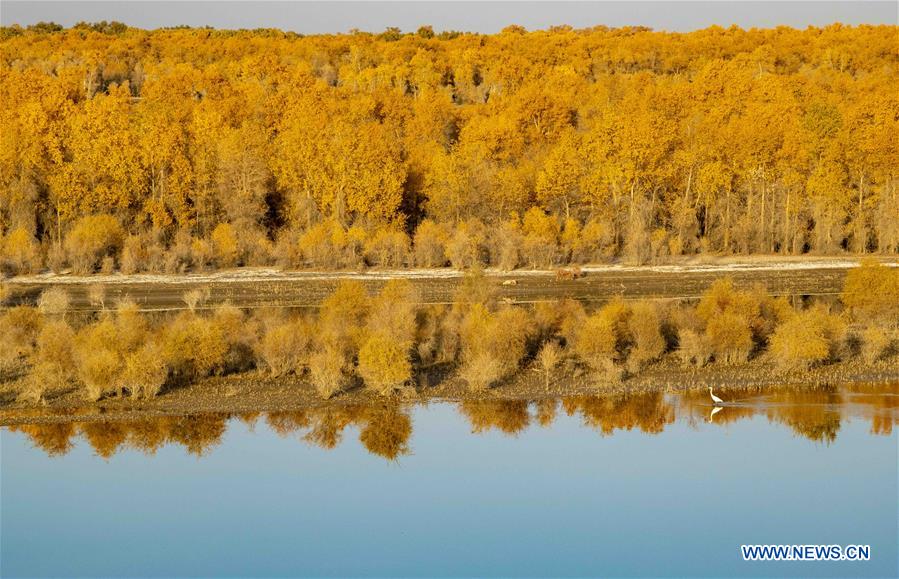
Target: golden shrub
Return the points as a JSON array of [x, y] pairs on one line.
[[388, 248], [328, 371], [645, 328], [548, 358], [53, 301], [810, 337], [344, 312], [871, 291], [693, 348], [493, 344], [54, 349], [729, 337], [596, 342], [19, 327], [20, 250], [384, 363], [875, 343], [99, 371], [429, 244], [285, 346], [224, 245], [145, 371], [393, 311], [194, 345], [92, 238]]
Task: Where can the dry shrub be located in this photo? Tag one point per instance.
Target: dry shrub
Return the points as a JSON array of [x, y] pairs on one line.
[[548, 358], [53, 301], [810, 337], [344, 312], [730, 338], [195, 298], [493, 344], [134, 255], [596, 343], [5, 292], [54, 348], [328, 370], [393, 311], [645, 328], [506, 245], [286, 346], [240, 334], [225, 249], [467, 248], [19, 327], [96, 295], [92, 238], [145, 371], [875, 343], [693, 348], [733, 320], [541, 233], [388, 248], [429, 244], [384, 363], [20, 252], [871, 292], [194, 346]]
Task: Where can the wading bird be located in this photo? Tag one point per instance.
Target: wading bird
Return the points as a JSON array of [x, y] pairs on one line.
[[715, 399]]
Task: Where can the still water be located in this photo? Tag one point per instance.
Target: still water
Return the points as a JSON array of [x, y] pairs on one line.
[[590, 486]]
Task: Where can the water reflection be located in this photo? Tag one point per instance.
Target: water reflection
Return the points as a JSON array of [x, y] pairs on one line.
[[385, 430]]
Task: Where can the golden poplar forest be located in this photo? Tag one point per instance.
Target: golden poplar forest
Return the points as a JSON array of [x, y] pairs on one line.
[[183, 149]]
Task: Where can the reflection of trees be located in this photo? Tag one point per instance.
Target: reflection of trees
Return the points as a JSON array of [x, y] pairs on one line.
[[386, 431], [509, 416], [55, 439], [648, 412]]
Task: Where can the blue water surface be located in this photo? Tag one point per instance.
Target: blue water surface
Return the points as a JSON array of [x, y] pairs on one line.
[[556, 501]]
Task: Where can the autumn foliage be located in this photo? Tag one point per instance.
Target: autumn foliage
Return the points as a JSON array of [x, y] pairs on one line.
[[182, 149]]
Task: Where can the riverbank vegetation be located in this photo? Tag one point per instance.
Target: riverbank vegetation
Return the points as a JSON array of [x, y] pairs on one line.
[[387, 344], [189, 149]]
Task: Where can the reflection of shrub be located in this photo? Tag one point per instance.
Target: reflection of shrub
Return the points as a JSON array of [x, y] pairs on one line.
[[91, 239], [872, 291], [810, 337], [384, 364]]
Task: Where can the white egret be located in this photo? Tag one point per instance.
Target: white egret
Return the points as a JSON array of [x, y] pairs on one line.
[[715, 399]]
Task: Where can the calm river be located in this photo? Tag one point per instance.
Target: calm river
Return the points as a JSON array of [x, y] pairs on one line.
[[649, 485]]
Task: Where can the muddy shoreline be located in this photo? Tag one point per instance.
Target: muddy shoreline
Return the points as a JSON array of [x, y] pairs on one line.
[[261, 287], [256, 391]]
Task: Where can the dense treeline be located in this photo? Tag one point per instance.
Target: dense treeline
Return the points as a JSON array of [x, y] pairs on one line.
[[387, 344], [185, 149]]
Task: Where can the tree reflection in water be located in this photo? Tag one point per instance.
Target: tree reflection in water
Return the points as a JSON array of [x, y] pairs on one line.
[[385, 429]]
